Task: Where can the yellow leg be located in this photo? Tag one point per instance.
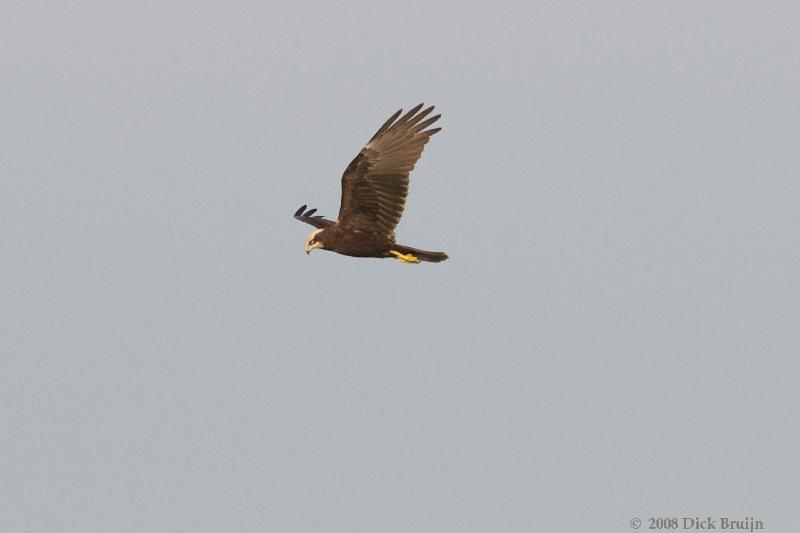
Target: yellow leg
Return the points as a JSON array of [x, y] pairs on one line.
[[405, 258]]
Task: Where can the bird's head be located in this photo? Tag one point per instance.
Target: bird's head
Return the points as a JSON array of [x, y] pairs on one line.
[[312, 242]]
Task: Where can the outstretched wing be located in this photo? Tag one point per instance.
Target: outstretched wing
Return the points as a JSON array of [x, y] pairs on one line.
[[318, 221], [375, 184]]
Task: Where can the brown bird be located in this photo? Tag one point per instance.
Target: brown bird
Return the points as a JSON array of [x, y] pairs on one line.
[[374, 192]]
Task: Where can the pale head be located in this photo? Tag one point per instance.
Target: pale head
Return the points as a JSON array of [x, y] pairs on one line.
[[312, 242]]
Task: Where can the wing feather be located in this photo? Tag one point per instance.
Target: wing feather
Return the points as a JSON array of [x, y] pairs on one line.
[[318, 221], [375, 183]]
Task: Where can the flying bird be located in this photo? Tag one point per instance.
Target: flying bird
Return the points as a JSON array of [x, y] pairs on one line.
[[374, 192]]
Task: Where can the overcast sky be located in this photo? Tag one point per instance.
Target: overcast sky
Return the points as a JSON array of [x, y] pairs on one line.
[[616, 333]]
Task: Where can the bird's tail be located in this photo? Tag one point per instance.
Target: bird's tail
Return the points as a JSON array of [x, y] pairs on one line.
[[412, 255]]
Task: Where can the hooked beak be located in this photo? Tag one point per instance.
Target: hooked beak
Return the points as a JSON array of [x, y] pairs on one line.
[[310, 247]]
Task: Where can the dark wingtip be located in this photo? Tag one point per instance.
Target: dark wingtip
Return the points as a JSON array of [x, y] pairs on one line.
[[413, 111], [309, 212], [299, 212]]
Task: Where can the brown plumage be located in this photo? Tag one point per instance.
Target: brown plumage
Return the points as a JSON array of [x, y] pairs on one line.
[[374, 192]]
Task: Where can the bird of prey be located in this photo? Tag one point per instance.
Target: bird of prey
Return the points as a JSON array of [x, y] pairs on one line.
[[374, 191]]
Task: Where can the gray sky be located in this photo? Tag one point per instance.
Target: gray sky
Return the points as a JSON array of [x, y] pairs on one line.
[[615, 335]]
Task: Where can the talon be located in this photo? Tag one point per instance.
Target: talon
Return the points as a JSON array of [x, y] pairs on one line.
[[405, 258]]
